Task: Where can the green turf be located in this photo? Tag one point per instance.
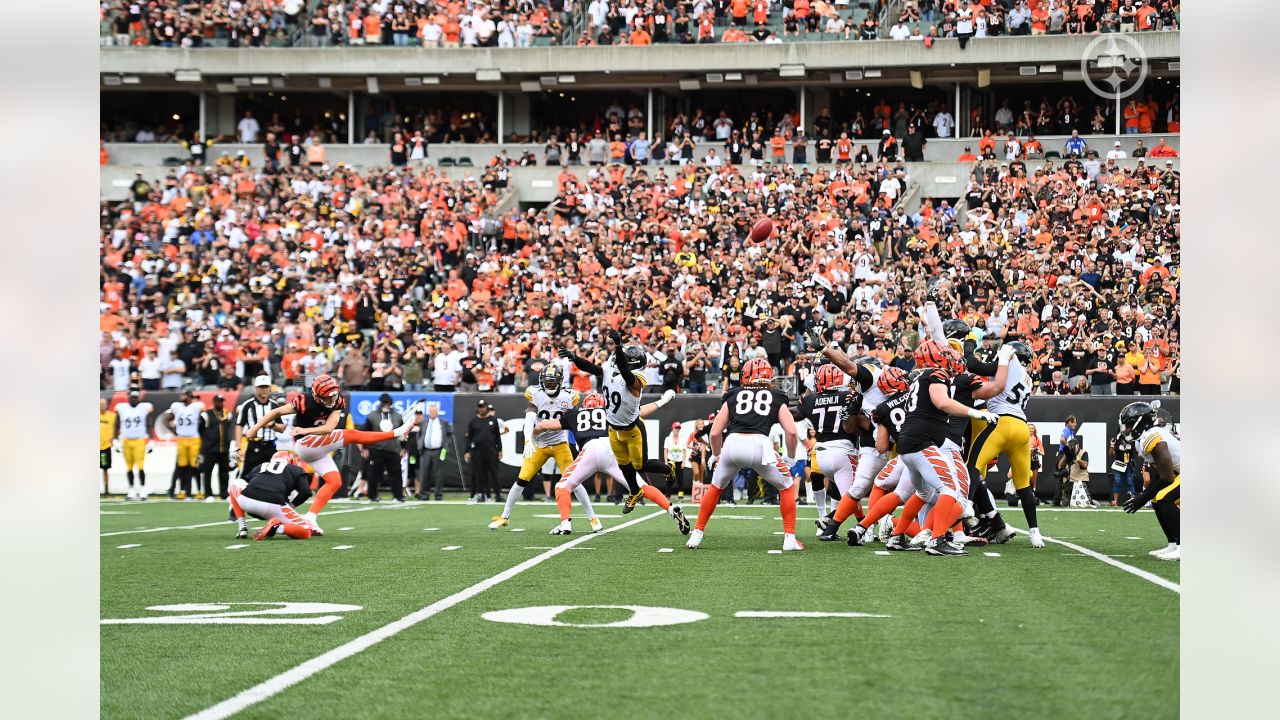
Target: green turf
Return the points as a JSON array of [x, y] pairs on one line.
[[1033, 633]]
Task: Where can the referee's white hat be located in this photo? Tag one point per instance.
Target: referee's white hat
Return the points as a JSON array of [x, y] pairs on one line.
[[262, 380]]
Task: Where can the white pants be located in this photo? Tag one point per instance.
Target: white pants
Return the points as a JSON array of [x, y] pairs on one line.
[[264, 510], [870, 463], [895, 477], [754, 452], [839, 464], [316, 451], [595, 457], [934, 472]]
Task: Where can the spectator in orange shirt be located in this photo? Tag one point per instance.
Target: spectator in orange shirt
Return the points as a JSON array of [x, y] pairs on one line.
[[967, 155], [640, 36], [1161, 150], [778, 146]]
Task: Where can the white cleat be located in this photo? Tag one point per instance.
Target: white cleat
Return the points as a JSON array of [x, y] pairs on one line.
[[596, 525], [695, 539], [1163, 550], [884, 529], [1173, 555], [790, 542], [499, 522], [564, 528], [1036, 540], [315, 527], [404, 429], [922, 538]]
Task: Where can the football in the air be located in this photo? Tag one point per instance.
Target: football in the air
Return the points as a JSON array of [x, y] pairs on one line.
[[762, 230]]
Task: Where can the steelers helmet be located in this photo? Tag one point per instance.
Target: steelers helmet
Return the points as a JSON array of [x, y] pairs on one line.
[[871, 360], [954, 329], [551, 378], [635, 356], [1022, 351], [1137, 417]]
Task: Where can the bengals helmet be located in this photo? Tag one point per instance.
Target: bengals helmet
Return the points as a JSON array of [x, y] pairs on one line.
[[325, 389], [286, 456], [931, 354], [592, 401], [828, 377], [892, 381], [757, 372]]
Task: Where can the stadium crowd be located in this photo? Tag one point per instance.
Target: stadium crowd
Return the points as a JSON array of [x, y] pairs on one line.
[[402, 278], [523, 23]]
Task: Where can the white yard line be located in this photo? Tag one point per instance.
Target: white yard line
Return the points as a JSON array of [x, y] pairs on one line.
[[227, 522], [1149, 577], [281, 682]]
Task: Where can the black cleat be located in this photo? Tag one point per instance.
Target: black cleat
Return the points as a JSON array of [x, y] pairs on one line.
[[630, 504], [857, 536], [828, 529], [944, 547], [900, 543], [682, 522]]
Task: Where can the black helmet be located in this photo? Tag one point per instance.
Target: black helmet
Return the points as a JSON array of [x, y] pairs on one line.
[[1022, 351], [871, 360], [954, 329], [551, 378], [635, 356], [188, 390], [1136, 418]]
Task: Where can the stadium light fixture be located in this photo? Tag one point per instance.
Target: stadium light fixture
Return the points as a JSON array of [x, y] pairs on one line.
[[530, 85], [711, 78], [431, 80], [984, 77], [488, 75], [733, 77], [917, 79], [241, 81], [225, 87], [851, 75], [1025, 70], [130, 79], [371, 84], [873, 73], [690, 85], [791, 71], [413, 82], [547, 79], [259, 80], [187, 75], [324, 82], [566, 79], [112, 80], [1048, 68]]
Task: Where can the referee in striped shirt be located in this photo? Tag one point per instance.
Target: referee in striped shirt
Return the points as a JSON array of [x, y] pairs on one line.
[[254, 451]]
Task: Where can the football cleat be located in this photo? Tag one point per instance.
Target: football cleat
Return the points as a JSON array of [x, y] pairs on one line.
[[1036, 540], [596, 525], [1163, 550], [499, 522], [564, 528], [942, 547], [630, 504], [404, 429], [790, 542], [1174, 555], [884, 529], [268, 530], [311, 522], [182, 495], [199, 496], [242, 534], [695, 539], [898, 543], [965, 539], [922, 538], [828, 529], [1001, 536], [857, 536], [682, 523]]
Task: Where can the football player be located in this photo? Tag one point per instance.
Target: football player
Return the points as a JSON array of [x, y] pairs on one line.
[[549, 399], [740, 439], [183, 417], [134, 434], [589, 424], [317, 415], [1162, 451], [271, 491], [108, 431], [894, 484], [833, 413], [924, 431]]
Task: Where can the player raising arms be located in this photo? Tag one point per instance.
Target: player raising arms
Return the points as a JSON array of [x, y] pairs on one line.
[[271, 491], [833, 413], [549, 399], [590, 429], [740, 439], [316, 436], [1162, 450]]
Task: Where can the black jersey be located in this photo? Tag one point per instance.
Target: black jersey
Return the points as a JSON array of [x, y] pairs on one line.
[[925, 425], [275, 481], [962, 389], [310, 413], [892, 414], [753, 410], [826, 412], [586, 424]]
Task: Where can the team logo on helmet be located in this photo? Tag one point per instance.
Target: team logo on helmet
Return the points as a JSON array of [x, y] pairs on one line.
[[592, 401], [871, 360], [955, 329], [1022, 351], [892, 381], [1137, 417], [828, 377], [635, 356], [551, 378], [757, 372]]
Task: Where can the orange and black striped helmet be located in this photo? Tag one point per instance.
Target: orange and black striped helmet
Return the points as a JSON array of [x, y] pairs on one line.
[[325, 389], [592, 401], [828, 377], [931, 354], [892, 381], [757, 372]]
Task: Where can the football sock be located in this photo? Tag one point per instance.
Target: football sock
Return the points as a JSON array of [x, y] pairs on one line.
[[235, 507], [656, 497], [913, 529], [909, 512], [629, 474], [980, 496], [516, 490], [1169, 516], [1027, 498], [820, 499], [877, 492], [710, 499], [365, 437], [297, 532], [885, 506], [332, 481], [944, 515], [129, 474], [563, 503], [787, 504], [846, 507], [584, 500], [142, 479]]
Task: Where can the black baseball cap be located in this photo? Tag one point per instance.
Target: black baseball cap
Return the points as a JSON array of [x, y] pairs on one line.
[[384, 398], [481, 403]]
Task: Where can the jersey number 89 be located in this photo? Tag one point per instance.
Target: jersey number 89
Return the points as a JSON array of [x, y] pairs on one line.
[[589, 420]]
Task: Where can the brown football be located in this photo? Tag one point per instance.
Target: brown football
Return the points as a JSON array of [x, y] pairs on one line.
[[762, 230]]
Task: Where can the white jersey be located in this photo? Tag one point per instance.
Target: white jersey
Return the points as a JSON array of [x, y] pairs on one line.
[[133, 420], [872, 397], [1017, 390], [1156, 435], [622, 409], [550, 407], [284, 439], [186, 418]]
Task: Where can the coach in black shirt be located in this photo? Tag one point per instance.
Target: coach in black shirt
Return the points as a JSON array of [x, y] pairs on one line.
[[484, 451], [383, 459]]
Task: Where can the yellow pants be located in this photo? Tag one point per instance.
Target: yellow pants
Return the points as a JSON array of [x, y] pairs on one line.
[[1171, 491], [627, 446], [134, 451], [1010, 437], [188, 451], [539, 457]]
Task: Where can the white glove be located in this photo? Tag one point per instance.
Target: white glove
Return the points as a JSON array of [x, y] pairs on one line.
[[1004, 354], [988, 417]]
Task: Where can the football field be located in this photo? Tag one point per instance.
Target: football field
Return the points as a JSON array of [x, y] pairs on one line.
[[419, 610]]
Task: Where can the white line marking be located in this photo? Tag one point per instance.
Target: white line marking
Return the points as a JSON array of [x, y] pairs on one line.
[[517, 529], [345, 528], [803, 614], [1149, 577], [126, 547], [883, 552], [225, 522], [1130, 537], [284, 680], [446, 547], [236, 547], [430, 529], [662, 550], [112, 512], [741, 517], [778, 532], [537, 547], [343, 547], [771, 552], [556, 516], [991, 554]]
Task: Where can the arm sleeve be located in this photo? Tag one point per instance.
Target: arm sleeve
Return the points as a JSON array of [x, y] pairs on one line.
[[301, 486], [933, 322], [974, 365], [587, 366], [620, 360], [530, 419]]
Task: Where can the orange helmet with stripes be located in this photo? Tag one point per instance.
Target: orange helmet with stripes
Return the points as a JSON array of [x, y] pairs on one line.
[[757, 371], [931, 354], [892, 381], [325, 389], [828, 377], [286, 456], [592, 401]]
